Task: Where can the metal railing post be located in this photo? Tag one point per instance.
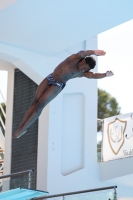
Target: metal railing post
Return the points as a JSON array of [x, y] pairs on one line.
[[115, 194], [29, 180]]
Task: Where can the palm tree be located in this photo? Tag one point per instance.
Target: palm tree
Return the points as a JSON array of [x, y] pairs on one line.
[[107, 106]]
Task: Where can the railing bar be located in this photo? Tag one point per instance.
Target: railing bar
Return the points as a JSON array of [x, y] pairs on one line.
[[3, 112], [72, 193], [2, 123], [17, 174]]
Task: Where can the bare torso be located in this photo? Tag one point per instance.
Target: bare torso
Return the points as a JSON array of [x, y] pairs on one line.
[[66, 70]]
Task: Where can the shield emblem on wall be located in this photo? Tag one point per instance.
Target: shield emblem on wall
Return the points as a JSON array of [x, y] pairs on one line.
[[115, 131]]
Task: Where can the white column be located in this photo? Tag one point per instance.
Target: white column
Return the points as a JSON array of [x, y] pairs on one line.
[[42, 156], [8, 131]]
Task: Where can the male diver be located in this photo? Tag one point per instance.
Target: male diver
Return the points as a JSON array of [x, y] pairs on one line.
[[76, 65]]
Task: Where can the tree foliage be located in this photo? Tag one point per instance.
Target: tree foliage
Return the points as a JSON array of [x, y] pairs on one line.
[[107, 106]]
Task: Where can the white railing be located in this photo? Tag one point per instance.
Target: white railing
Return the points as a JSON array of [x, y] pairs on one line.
[[3, 112]]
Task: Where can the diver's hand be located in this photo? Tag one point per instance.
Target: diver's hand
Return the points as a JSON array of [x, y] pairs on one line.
[[99, 52], [109, 73]]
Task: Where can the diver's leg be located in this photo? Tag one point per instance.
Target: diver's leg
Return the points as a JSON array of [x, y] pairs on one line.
[[39, 93], [48, 96]]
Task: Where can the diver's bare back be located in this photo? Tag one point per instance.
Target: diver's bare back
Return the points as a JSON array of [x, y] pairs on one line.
[[67, 69]]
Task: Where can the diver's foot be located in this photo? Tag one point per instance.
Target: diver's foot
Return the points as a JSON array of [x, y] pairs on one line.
[[19, 133]]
